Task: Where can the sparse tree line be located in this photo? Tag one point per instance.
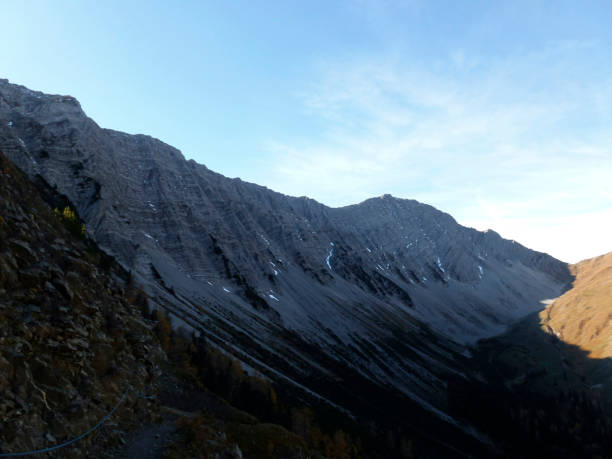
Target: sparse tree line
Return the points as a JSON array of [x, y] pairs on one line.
[[209, 368]]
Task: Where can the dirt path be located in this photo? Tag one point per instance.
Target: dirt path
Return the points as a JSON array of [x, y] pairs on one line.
[[176, 397], [151, 441]]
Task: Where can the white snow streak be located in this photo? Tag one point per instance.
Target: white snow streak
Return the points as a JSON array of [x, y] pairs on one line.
[[440, 265], [331, 252]]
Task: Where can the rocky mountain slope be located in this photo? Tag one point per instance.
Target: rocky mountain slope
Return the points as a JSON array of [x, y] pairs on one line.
[[87, 371], [70, 341], [383, 296]]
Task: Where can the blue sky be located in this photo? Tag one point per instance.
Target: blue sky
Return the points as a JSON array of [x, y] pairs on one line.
[[498, 113]]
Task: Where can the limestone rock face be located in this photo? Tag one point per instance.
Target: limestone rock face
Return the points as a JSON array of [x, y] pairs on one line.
[[390, 290]]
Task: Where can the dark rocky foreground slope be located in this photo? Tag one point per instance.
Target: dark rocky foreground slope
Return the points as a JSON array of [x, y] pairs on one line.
[[70, 341], [379, 298]]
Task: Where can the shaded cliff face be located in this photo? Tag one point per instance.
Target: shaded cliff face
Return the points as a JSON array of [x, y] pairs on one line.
[[385, 292]]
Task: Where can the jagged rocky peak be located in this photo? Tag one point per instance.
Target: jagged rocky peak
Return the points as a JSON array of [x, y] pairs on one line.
[[387, 289]]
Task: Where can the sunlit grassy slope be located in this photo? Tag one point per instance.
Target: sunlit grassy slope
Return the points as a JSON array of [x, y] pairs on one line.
[[583, 315]]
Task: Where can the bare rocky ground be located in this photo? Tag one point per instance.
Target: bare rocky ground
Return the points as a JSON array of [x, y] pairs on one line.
[[71, 342]]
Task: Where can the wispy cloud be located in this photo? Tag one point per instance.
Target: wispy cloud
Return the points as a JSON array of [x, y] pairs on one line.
[[535, 144]]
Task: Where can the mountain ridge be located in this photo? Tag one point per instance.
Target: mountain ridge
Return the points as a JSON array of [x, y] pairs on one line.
[[389, 292]]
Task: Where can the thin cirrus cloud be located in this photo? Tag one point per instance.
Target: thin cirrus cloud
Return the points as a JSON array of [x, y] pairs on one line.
[[525, 131]]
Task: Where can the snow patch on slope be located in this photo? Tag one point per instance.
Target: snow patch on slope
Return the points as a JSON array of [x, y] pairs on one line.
[[328, 258]]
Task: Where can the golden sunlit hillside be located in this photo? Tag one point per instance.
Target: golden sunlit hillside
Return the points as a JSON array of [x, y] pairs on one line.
[[582, 316]]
